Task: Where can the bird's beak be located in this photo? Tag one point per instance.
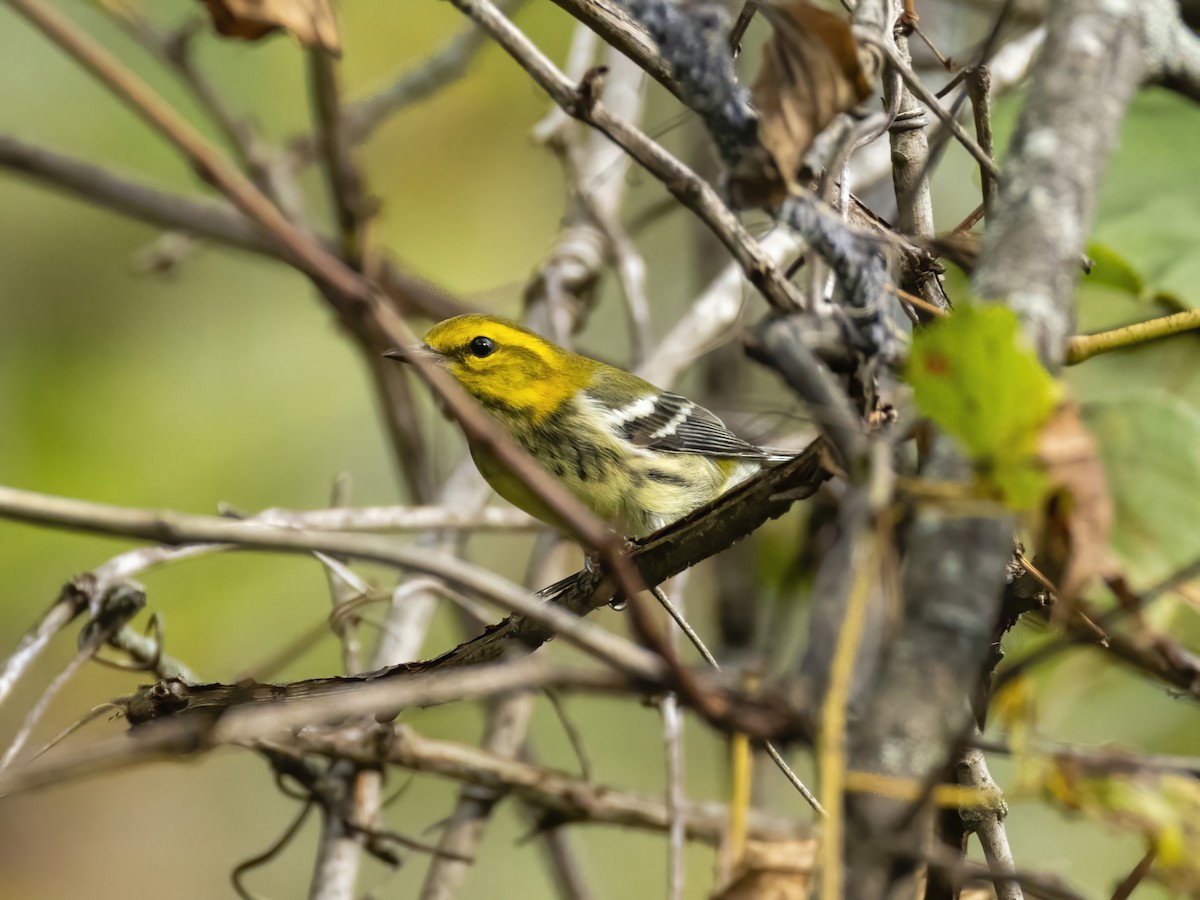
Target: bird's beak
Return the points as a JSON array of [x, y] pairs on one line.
[[422, 351]]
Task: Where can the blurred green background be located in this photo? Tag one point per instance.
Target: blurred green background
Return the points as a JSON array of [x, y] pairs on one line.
[[227, 381]]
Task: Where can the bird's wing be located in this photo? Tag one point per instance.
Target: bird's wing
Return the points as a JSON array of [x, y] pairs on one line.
[[674, 424]]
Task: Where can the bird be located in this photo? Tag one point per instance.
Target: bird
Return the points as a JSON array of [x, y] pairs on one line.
[[637, 456]]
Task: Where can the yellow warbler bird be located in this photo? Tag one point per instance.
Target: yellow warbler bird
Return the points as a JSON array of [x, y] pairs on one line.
[[637, 456]]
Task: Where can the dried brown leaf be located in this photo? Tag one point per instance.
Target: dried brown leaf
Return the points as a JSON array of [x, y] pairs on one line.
[[1077, 520], [312, 21], [810, 72], [774, 870]]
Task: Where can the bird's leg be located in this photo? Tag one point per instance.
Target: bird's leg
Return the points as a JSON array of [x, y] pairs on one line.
[[593, 564]]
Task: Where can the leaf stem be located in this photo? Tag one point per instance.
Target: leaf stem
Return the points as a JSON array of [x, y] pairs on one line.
[[1085, 346]]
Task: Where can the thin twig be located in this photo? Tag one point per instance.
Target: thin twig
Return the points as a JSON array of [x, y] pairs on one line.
[[119, 606], [337, 859], [187, 529], [69, 604], [971, 771], [341, 175], [574, 735], [677, 830], [926, 96], [90, 716], [197, 216], [685, 626], [708, 657], [681, 181], [1130, 882], [438, 70], [508, 724], [777, 758], [741, 23], [267, 855], [979, 89]]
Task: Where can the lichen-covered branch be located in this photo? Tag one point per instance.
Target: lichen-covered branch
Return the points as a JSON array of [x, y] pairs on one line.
[[1094, 58]]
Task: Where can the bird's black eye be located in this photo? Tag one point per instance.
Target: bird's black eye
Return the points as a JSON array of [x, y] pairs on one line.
[[482, 346]]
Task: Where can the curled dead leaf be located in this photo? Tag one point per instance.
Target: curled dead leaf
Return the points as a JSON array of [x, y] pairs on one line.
[[773, 870], [1073, 545], [312, 21], [810, 72]]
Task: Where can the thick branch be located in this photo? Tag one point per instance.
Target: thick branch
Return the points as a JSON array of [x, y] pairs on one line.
[[952, 584], [1172, 49], [1081, 85]]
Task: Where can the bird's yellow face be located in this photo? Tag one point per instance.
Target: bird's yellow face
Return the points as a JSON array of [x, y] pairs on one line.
[[506, 367]]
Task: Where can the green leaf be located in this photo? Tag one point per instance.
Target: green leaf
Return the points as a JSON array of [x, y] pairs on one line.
[[1111, 269], [1149, 444], [974, 376]]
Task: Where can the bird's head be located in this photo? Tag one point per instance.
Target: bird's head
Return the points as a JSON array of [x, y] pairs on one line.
[[505, 366]]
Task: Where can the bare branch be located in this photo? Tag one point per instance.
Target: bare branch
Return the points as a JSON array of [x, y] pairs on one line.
[[988, 824], [442, 67], [179, 528], [712, 318], [355, 297], [1172, 49], [676, 797], [926, 96], [681, 181], [564, 798], [199, 216], [910, 168], [508, 723], [70, 603], [341, 175], [117, 608], [979, 89], [610, 20], [1009, 67], [701, 534], [595, 169], [1084, 78], [443, 517]]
